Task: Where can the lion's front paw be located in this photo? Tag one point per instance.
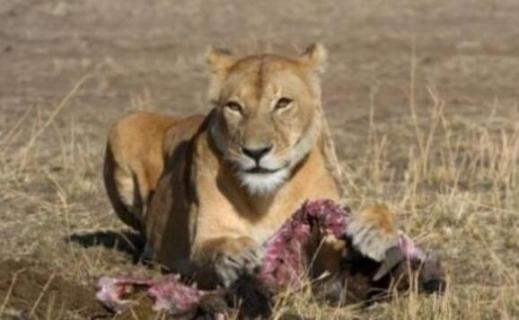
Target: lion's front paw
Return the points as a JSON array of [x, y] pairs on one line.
[[229, 265]]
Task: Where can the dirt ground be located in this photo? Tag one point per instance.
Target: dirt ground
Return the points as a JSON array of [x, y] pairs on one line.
[[422, 97]]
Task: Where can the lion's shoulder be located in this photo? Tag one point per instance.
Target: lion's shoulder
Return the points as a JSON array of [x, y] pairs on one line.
[[181, 132]]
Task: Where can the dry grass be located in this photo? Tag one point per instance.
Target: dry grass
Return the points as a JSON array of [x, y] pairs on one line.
[[455, 186], [453, 181], [446, 159]]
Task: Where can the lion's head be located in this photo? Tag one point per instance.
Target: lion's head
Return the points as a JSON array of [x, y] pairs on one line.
[[267, 114]]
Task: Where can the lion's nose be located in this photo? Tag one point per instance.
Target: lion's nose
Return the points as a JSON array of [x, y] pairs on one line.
[[256, 153]]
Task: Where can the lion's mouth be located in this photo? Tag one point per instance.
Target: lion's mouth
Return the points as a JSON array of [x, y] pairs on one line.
[[260, 170]]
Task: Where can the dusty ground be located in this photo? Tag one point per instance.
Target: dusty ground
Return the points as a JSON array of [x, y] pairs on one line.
[[422, 97]]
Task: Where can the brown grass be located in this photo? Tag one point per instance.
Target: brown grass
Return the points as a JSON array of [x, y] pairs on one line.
[[433, 131], [455, 188]]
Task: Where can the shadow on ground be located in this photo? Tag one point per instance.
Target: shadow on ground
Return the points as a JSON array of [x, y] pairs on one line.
[[128, 242]]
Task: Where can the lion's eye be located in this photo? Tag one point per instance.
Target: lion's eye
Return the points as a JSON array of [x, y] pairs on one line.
[[234, 106], [283, 103]]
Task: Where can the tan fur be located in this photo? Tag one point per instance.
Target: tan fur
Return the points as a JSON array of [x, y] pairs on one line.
[[208, 209], [137, 147], [373, 231]]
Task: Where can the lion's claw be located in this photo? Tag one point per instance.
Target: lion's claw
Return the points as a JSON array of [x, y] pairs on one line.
[[230, 267]]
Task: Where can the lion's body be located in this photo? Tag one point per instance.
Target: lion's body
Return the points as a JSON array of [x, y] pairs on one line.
[[197, 203], [208, 191], [138, 147]]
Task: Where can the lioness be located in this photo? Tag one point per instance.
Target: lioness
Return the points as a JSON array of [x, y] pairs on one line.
[[207, 191]]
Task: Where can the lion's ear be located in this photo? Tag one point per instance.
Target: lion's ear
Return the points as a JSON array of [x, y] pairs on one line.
[[219, 60], [314, 57]]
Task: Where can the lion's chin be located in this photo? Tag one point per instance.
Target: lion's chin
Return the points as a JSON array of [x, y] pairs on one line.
[[263, 183]]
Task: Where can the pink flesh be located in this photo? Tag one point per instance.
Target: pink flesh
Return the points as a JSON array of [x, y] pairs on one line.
[[410, 250], [112, 291], [170, 294], [167, 292], [284, 264]]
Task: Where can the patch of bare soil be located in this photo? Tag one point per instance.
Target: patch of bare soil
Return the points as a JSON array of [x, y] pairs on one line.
[[30, 291]]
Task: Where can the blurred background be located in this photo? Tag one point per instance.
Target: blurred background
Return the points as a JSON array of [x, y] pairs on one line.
[[422, 98]]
